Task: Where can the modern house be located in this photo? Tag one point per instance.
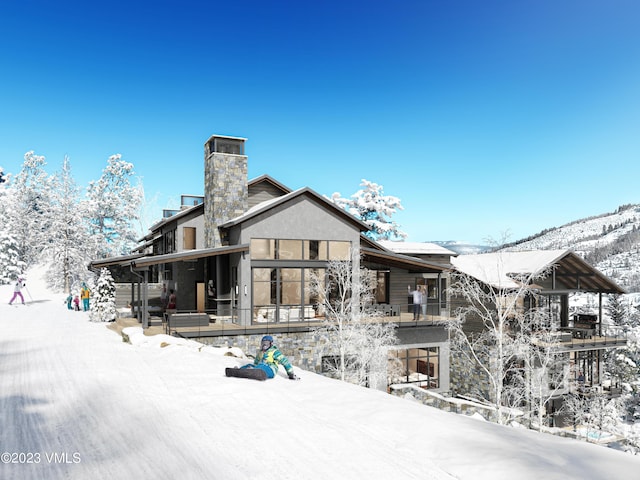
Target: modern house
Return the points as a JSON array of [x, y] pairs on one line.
[[562, 282], [241, 262]]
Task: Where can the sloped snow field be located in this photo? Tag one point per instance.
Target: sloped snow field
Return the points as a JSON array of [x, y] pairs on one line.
[[78, 403]]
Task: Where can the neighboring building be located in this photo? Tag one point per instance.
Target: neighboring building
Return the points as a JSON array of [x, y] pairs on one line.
[[245, 258], [582, 338]]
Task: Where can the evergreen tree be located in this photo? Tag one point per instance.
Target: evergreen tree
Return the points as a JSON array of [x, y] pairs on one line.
[[28, 209], [616, 308], [370, 205], [111, 207], [104, 298], [10, 264], [69, 250]]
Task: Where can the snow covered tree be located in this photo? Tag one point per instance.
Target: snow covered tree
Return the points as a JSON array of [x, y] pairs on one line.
[[352, 335], [491, 331], [69, 250], [28, 213], [3, 178], [622, 367], [104, 298], [546, 367], [596, 413], [10, 264], [111, 208], [370, 205], [617, 309]]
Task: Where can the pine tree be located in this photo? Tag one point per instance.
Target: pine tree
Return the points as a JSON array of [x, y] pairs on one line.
[[69, 250], [104, 298], [111, 207], [370, 205], [617, 309], [10, 264], [28, 213]]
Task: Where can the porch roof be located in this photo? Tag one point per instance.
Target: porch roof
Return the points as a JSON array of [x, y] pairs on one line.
[[141, 260], [107, 262], [188, 255], [401, 261]]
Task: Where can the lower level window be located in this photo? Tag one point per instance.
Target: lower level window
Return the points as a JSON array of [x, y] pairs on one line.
[[419, 366]]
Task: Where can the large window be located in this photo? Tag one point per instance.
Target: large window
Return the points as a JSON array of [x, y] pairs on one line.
[[284, 271], [286, 249], [420, 366], [286, 294]]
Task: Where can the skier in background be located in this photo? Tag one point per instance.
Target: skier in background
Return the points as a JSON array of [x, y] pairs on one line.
[[69, 300], [269, 358], [16, 290], [84, 294]]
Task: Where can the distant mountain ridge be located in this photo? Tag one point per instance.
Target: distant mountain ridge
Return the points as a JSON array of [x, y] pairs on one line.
[[461, 248], [610, 242]]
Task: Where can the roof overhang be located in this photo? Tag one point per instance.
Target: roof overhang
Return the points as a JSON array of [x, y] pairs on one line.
[[573, 273], [108, 262], [400, 261], [188, 255]]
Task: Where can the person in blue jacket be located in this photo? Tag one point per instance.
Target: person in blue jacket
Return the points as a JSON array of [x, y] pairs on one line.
[[269, 358]]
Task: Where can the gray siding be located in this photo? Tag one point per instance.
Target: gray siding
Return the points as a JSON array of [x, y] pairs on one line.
[[263, 192]]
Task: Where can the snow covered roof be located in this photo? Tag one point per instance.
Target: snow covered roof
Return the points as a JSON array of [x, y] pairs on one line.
[[496, 269], [571, 272], [415, 248]]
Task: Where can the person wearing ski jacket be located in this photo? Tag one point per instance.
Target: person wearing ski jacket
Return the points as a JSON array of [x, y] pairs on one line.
[[16, 290], [269, 358], [85, 293]]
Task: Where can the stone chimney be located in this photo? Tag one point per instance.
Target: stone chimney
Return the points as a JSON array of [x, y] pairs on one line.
[[225, 185]]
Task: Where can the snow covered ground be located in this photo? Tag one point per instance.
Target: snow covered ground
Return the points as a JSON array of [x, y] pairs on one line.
[[77, 403]]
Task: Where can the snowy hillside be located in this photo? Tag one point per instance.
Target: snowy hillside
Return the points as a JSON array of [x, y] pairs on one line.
[[76, 403], [461, 248], [610, 242]]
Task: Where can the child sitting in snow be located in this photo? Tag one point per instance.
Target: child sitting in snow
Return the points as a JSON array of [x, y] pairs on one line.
[[269, 358]]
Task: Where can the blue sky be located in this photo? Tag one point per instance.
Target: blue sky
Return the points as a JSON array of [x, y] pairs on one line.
[[485, 118]]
